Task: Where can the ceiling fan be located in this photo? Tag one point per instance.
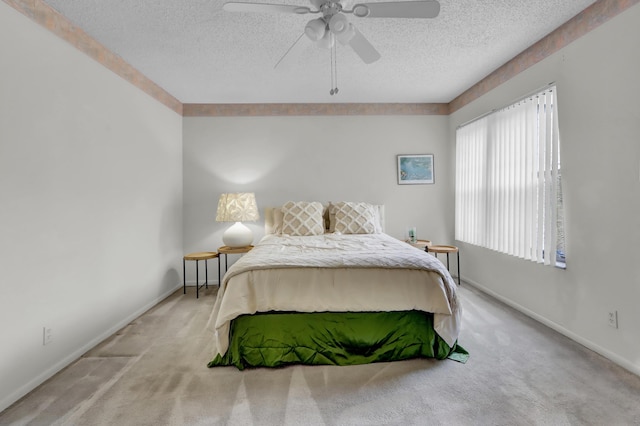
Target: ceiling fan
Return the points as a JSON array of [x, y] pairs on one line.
[[334, 22]]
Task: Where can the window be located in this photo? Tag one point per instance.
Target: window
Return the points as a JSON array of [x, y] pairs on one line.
[[508, 189]]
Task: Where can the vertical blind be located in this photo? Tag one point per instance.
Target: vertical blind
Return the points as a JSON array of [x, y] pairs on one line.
[[507, 166]]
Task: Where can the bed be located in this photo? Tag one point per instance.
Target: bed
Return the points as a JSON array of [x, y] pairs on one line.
[[326, 285]]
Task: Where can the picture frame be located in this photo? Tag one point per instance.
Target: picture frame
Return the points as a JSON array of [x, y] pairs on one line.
[[415, 169]]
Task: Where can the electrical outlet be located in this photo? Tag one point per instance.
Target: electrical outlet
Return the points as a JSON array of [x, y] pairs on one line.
[[47, 335], [613, 319]]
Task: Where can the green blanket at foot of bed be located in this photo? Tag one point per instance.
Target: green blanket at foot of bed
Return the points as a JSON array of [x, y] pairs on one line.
[[333, 338]]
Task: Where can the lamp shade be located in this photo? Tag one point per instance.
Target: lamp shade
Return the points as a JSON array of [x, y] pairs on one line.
[[237, 207]]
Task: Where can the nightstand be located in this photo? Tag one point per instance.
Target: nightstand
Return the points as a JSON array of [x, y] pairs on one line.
[[232, 250], [421, 244], [203, 255], [445, 249]]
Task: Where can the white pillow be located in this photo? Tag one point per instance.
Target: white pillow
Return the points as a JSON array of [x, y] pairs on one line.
[[302, 218], [278, 217], [355, 218]]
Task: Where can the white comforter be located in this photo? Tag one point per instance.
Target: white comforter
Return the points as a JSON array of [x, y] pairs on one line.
[[336, 273]]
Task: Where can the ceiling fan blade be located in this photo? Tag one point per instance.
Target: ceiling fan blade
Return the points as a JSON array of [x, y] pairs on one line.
[[363, 48], [265, 8], [296, 47], [400, 9]]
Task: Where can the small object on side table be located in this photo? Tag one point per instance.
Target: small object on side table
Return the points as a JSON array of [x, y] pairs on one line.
[[203, 255], [435, 249]]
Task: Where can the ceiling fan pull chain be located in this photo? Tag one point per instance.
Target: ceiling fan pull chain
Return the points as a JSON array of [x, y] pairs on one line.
[[331, 71], [334, 70], [335, 62], [331, 50]]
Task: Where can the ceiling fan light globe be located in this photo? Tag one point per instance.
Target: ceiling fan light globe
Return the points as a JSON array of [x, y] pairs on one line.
[[338, 24], [315, 29], [327, 41], [346, 36], [338, 28]]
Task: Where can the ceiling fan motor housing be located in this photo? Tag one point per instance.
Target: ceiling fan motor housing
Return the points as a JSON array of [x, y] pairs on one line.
[[330, 8]]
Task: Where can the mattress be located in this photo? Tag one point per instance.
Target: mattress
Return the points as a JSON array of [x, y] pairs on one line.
[[336, 273]]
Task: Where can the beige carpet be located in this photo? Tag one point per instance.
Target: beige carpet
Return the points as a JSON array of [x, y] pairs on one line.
[[153, 372]]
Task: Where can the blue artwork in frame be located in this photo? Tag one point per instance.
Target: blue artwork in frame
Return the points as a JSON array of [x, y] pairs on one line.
[[415, 169]]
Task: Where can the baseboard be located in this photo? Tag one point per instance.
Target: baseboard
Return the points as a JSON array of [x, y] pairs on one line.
[[193, 283], [624, 363], [50, 372]]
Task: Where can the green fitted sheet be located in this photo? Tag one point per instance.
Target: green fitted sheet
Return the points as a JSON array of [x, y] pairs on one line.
[[276, 339]]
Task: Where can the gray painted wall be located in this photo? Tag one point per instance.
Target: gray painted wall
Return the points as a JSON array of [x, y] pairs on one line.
[[334, 158], [599, 117], [91, 190]]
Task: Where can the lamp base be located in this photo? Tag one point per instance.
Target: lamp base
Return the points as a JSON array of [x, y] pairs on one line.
[[237, 235]]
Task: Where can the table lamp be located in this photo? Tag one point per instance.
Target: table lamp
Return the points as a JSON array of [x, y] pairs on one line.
[[238, 208]]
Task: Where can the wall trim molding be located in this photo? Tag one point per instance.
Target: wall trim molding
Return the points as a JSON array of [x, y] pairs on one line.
[[212, 282], [586, 21], [252, 110]]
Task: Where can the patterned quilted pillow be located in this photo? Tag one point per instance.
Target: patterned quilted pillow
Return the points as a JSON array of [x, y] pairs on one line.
[[356, 218], [302, 218]]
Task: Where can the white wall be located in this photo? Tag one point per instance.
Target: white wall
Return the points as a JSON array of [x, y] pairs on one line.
[[325, 158], [91, 193], [599, 113]]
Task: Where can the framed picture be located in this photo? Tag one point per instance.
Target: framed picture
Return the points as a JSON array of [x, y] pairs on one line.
[[415, 169]]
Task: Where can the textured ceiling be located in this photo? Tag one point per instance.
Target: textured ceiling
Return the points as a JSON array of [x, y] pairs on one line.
[[201, 54]]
